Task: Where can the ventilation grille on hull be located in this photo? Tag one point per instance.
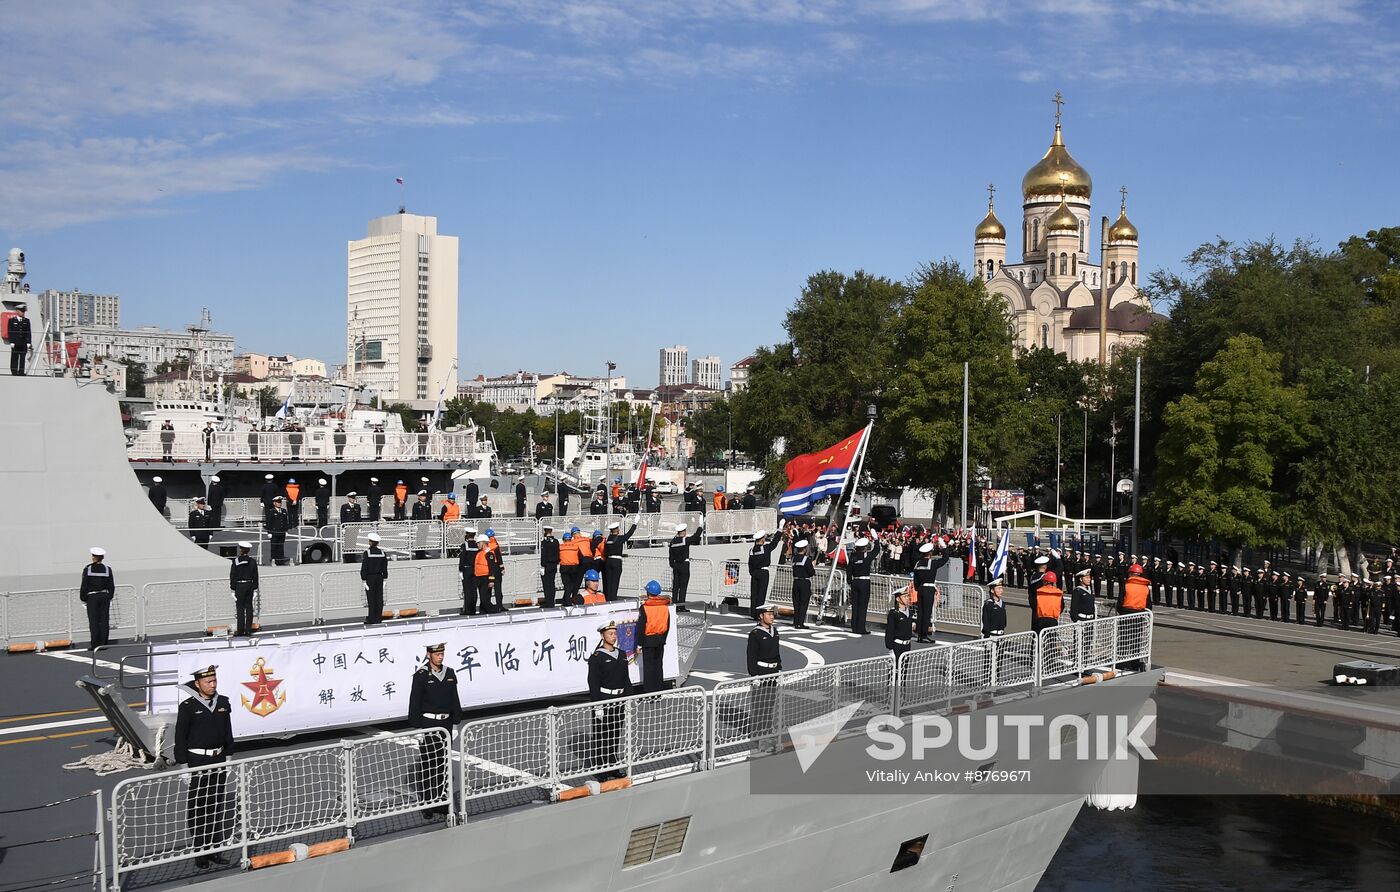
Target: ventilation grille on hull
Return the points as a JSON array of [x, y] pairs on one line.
[[655, 841]]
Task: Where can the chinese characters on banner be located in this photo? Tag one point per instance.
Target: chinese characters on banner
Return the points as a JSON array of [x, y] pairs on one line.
[[302, 682]]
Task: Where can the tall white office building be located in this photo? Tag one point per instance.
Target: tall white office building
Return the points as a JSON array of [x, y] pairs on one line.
[[706, 371], [65, 310], [674, 365], [401, 302]]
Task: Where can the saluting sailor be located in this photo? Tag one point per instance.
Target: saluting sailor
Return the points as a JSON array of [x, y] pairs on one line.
[[802, 573], [204, 736], [608, 679], [434, 703], [926, 584]]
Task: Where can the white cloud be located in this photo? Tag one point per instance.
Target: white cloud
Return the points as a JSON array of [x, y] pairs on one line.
[[1264, 12], [46, 185]]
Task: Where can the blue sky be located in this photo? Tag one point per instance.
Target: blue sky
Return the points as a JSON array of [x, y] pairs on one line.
[[625, 174]]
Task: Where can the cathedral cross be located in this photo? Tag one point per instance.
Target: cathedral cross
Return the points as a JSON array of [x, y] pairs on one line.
[[1059, 105], [1123, 191], [991, 193]]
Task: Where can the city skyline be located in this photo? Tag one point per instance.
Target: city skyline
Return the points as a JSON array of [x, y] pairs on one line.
[[677, 171]]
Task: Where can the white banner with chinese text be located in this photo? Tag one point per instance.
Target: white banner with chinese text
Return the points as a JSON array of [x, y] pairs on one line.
[[361, 675]]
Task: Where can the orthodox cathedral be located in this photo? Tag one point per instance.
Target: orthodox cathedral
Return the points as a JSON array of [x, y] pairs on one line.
[[1054, 292]]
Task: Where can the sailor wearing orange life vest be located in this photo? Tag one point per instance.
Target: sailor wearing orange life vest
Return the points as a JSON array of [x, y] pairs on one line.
[[1136, 591], [570, 573], [450, 509], [1049, 603], [483, 567], [593, 589], [653, 626], [400, 500]]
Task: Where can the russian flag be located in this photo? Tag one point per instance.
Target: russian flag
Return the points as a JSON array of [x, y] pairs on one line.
[[815, 475], [972, 552]]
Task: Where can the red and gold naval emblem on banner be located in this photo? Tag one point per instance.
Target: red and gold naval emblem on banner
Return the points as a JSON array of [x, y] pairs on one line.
[[266, 698]]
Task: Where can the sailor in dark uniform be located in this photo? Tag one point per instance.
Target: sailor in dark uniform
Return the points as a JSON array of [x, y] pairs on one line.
[[678, 557], [760, 557], [433, 703], [20, 335], [204, 736], [608, 680], [858, 575], [157, 494], [899, 626], [374, 499], [466, 569], [763, 658], [615, 550], [549, 564], [323, 502], [993, 611], [200, 520], [802, 573], [96, 591], [216, 502], [278, 522], [350, 511], [374, 569], [243, 582], [926, 584], [520, 497]]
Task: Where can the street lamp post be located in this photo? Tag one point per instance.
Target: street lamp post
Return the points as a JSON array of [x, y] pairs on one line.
[[1057, 465], [962, 499], [1084, 481]]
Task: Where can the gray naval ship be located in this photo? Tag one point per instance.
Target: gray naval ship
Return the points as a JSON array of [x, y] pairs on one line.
[[726, 781]]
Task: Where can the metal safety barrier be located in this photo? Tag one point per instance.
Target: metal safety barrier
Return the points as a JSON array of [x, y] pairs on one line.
[[780, 587], [257, 805], [261, 804], [1069, 651], [534, 756], [755, 713], [933, 676], [314, 445], [58, 614]]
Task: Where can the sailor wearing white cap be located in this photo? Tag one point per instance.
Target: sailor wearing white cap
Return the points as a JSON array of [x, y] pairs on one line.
[[157, 495], [899, 626], [322, 497], [802, 573], [96, 591], [433, 702], [678, 555], [204, 736], [609, 678], [763, 657], [926, 587], [614, 550], [215, 495], [374, 569], [374, 498], [1042, 564], [519, 496], [858, 572], [350, 511], [760, 557], [243, 582]]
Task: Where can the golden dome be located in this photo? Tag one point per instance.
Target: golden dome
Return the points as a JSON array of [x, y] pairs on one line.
[[1122, 230], [990, 227], [1057, 174], [1062, 219]]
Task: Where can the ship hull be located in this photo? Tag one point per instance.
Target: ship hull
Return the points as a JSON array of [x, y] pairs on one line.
[[736, 839]]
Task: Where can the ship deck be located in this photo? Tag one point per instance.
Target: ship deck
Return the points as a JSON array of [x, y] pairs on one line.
[[48, 721]]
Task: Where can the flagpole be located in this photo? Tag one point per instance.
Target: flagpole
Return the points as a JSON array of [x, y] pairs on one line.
[[841, 531]]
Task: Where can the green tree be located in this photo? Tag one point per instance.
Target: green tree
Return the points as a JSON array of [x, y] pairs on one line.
[[1348, 476], [1224, 447], [708, 428], [812, 390], [135, 377], [950, 319], [268, 400]]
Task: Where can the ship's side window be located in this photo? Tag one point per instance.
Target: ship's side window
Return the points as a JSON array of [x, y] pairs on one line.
[[910, 851]]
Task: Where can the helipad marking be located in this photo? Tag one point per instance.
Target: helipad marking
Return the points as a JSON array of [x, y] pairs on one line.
[[733, 630], [88, 661]]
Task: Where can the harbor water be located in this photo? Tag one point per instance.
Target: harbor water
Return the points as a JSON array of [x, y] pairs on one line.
[[1227, 842]]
